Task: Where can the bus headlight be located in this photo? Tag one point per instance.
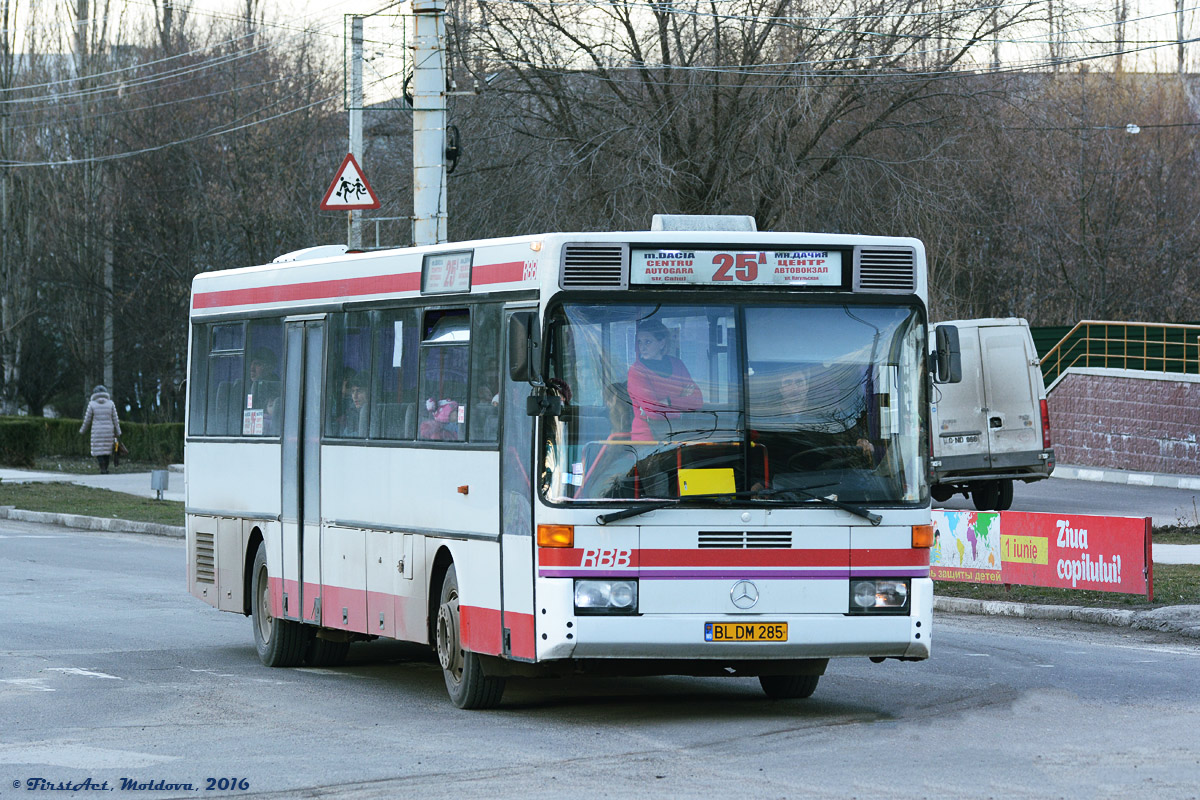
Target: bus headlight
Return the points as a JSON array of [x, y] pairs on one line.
[[605, 597], [878, 596]]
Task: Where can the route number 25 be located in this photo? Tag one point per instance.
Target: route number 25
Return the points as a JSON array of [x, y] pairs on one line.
[[743, 268]]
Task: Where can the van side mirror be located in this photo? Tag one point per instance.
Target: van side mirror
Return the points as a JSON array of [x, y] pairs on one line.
[[947, 356], [525, 348]]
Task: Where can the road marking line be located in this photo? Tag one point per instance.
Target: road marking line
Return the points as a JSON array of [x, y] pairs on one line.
[[33, 684], [82, 672]]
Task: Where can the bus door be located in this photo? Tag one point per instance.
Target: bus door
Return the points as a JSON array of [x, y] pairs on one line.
[[301, 490], [516, 516]]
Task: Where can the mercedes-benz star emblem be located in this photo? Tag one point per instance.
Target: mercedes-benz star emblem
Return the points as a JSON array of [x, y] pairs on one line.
[[744, 594]]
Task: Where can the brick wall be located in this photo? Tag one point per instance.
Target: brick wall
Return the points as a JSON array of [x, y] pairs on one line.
[[1125, 419]]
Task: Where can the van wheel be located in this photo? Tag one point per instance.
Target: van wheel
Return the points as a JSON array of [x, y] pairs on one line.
[[1006, 495], [941, 493], [788, 687], [986, 495], [280, 642], [466, 682]]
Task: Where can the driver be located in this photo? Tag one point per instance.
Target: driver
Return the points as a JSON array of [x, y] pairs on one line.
[[804, 431]]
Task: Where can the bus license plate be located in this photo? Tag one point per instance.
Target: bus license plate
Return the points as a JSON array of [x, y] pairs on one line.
[[745, 632]]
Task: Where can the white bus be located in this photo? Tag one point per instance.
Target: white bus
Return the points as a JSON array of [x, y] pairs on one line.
[[675, 451]]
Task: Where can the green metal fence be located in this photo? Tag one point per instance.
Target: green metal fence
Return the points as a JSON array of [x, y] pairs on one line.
[[1143, 346]]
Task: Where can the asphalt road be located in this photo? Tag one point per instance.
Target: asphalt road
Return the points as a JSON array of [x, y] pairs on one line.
[[1059, 495], [111, 671]]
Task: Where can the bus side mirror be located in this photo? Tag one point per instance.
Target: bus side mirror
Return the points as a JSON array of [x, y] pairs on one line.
[[524, 348], [947, 356]]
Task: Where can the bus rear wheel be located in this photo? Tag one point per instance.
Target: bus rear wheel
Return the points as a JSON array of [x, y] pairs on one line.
[[466, 682], [280, 642], [788, 687]]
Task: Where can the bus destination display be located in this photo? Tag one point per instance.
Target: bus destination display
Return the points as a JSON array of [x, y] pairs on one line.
[[732, 268]]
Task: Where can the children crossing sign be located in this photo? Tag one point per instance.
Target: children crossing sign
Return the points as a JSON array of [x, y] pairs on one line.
[[349, 190]]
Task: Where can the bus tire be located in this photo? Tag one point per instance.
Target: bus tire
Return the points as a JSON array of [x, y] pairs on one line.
[[280, 642], [325, 653], [1006, 495], [466, 682], [788, 687]]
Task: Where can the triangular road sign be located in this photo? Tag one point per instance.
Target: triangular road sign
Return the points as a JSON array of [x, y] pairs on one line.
[[349, 190]]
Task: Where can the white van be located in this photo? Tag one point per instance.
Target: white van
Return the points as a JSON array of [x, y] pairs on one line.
[[993, 428]]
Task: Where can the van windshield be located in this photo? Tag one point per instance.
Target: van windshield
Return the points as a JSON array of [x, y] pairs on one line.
[[666, 401]]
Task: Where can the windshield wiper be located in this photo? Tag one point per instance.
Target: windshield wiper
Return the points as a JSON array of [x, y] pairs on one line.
[[874, 519], [613, 516], [857, 510]]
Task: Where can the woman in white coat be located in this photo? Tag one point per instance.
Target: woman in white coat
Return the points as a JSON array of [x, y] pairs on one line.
[[102, 416]]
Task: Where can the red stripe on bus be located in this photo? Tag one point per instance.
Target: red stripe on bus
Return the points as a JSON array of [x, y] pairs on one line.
[[480, 629], [316, 290], [744, 558], [522, 639], [511, 272]]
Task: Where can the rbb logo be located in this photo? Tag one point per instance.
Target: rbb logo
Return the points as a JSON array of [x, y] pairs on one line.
[[605, 557], [529, 272]]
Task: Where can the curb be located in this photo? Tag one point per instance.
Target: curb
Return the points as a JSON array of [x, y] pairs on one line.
[[1105, 475], [1184, 620], [93, 523]]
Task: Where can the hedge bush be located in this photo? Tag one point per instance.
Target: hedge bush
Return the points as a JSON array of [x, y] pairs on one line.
[[20, 442], [160, 443]]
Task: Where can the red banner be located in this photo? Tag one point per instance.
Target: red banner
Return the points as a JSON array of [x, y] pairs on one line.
[[1069, 551]]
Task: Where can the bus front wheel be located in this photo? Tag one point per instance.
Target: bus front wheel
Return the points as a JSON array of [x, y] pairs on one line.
[[280, 642], [466, 682], [788, 687]]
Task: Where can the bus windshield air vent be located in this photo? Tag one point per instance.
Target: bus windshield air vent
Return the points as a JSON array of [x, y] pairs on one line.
[[205, 563], [595, 266], [742, 540], [885, 269]]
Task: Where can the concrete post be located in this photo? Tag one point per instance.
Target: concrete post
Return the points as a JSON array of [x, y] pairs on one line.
[[429, 122], [354, 218]]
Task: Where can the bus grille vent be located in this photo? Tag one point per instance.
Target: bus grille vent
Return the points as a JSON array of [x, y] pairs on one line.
[[885, 270], [205, 561], [595, 266], [742, 540]]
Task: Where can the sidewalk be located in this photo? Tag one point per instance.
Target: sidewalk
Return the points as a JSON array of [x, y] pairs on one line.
[[137, 483], [1106, 475]]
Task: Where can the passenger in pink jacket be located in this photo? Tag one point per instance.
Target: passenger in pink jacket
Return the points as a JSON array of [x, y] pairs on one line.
[[659, 384]]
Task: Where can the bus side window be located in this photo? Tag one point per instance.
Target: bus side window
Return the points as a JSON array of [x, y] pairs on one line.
[[445, 355], [485, 373], [264, 387], [224, 389], [348, 382], [394, 404]]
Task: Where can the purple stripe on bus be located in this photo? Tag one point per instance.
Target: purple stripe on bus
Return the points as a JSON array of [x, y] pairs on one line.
[[646, 574]]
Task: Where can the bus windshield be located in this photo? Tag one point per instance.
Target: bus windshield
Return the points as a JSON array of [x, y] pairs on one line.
[[664, 401]]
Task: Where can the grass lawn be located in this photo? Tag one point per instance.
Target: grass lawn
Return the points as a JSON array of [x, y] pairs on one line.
[[67, 498], [86, 465], [1174, 584]]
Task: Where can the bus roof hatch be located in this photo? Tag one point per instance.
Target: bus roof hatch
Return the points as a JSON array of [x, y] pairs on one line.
[[703, 222]]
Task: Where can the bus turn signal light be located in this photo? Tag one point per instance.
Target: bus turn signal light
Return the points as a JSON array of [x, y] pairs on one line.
[[922, 536], [556, 535]]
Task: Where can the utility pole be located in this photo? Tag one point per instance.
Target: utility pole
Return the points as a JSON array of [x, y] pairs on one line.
[[354, 218], [429, 122]]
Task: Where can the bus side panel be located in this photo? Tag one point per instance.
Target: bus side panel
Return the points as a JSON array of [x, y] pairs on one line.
[[202, 554], [344, 578], [519, 614], [477, 566]]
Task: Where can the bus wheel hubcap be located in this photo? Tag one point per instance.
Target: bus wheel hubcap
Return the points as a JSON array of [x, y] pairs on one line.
[[448, 647]]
